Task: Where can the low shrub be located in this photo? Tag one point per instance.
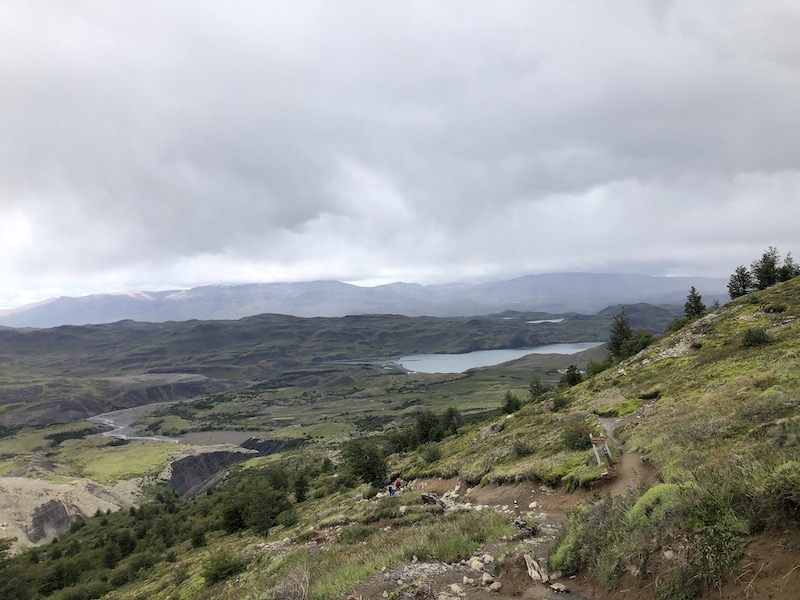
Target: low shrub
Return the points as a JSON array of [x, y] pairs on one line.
[[220, 566], [754, 336], [575, 434], [430, 452], [775, 308], [521, 449]]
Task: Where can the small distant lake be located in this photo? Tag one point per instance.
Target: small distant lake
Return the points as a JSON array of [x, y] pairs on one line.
[[458, 363]]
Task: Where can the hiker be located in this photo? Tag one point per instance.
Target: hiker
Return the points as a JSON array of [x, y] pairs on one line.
[[397, 483]]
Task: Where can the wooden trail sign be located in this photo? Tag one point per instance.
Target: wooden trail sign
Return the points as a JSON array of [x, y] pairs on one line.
[[600, 442]]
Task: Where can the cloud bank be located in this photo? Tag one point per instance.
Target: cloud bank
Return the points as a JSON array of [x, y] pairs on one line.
[[146, 145]]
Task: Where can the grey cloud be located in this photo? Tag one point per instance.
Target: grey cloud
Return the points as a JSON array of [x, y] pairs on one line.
[[313, 139]]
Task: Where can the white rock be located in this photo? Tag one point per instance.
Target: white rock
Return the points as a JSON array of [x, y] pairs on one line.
[[455, 588], [669, 554], [487, 579], [487, 558], [468, 580], [496, 586], [533, 505], [476, 564]]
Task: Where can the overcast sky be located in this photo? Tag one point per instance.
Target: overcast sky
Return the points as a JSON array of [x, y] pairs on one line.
[[162, 144]]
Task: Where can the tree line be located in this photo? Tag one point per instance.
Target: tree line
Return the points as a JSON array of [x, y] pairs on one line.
[[763, 273]]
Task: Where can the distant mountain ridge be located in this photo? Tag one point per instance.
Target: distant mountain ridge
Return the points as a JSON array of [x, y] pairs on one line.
[[556, 293]]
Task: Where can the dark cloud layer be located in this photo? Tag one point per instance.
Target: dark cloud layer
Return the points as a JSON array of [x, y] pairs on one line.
[[155, 144]]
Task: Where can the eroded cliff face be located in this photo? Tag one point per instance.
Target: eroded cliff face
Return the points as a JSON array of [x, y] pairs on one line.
[[193, 475], [34, 511], [48, 520]]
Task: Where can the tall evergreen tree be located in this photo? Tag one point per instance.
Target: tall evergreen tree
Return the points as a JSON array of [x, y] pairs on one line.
[[740, 283], [620, 331], [765, 270], [694, 306], [789, 269]]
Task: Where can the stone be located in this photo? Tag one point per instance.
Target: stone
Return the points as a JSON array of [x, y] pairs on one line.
[[496, 586], [402, 510], [468, 580], [556, 575], [559, 588], [669, 554], [455, 588], [487, 559], [476, 564], [487, 579], [533, 505], [385, 594]]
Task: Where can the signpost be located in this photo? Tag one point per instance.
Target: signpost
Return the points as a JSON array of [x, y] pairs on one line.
[[600, 442]]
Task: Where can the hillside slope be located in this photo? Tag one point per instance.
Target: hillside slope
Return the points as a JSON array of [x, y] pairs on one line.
[[706, 419], [714, 408]]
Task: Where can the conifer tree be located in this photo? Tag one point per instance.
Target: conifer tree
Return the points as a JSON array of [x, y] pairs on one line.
[[740, 283], [694, 306], [620, 331]]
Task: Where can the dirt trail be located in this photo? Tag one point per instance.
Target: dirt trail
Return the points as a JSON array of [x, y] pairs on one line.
[[535, 503]]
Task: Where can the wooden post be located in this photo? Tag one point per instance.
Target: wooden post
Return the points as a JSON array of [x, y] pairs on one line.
[[596, 453], [607, 452]]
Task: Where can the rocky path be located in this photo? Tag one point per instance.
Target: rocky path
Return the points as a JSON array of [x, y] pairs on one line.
[[484, 576]]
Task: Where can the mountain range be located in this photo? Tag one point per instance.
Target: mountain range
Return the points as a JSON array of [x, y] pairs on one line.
[[584, 293]]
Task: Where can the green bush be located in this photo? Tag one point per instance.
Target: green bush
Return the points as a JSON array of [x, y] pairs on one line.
[[511, 403], [221, 565], [575, 434], [754, 336], [198, 538], [558, 402], [287, 518], [775, 308], [521, 449], [430, 452], [677, 324]]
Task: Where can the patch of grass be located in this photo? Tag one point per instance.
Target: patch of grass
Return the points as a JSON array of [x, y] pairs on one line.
[[580, 476], [655, 506], [101, 462], [619, 410]]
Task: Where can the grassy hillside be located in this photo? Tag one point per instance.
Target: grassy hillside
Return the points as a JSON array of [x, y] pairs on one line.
[[712, 411]]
